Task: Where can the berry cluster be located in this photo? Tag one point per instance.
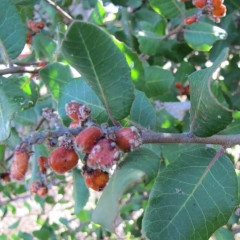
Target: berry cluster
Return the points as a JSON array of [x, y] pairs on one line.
[[102, 146], [214, 9], [182, 90], [34, 28]]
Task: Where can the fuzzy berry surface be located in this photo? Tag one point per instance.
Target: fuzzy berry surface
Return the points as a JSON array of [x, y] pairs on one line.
[[72, 110], [103, 154], [35, 186], [86, 139], [62, 160]]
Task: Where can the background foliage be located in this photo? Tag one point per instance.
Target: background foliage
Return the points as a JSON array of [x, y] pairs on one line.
[[122, 57]]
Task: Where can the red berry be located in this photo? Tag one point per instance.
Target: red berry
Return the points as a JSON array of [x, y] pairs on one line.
[[128, 139], [219, 11], [29, 38], [190, 20], [178, 85], [87, 138], [72, 110], [187, 90], [103, 154], [42, 161], [62, 160], [42, 191], [35, 186], [74, 124], [199, 3], [42, 64], [40, 25], [96, 179], [20, 164], [32, 26]]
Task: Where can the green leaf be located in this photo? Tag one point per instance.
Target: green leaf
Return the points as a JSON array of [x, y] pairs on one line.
[[168, 8], [98, 14], [12, 30], [223, 234], [25, 236], [201, 36], [78, 90], [142, 111], [12, 99], [208, 115], [55, 76], [80, 191], [136, 165], [158, 81], [92, 52], [14, 225], [191, 198]]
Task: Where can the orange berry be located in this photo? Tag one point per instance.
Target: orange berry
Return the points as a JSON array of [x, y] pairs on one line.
[[178, 85], [96, 179], [87, 138], [217, 3], [190, 20], [219, 11], [35, 186], [103, 154], [62, 160], [199, 3], [20, 164], [40, 25], [128, 139], [42, 191], [42, 64]]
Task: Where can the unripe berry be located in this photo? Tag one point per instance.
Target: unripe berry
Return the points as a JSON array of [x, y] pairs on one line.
[[199, 3], [35, 186], [62, 160], [96, 179], [87, 138], [190, 20], [42, 191], [128, 139], [103, 154], [20, 164], [219, 11]]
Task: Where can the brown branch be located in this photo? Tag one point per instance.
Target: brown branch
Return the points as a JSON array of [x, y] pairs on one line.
[[223, 140], [60, 10], [14, 70], [174, 31]]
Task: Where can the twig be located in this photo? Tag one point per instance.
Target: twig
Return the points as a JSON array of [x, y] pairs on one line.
[[40, 124], [6, 54], [14, 70], [223, 140], [174, 31], [15, 199], [60, 10]]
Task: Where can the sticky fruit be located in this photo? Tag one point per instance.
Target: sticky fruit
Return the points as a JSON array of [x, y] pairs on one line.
[[200, 3], [86, 139], [128, 139], [42, 191], [96, 179], [62, 160], [5, 176], [43, 163], [103, 154], [20, 164], [219, 11], [35, 186], [190, 20]]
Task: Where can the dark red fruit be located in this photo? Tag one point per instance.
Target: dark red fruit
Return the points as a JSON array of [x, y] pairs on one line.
[[103, 154], [20, 164], [96, 179], [178, 85], [43, 163], [87, 138], [128, 139], [35, 186], [62, 160], [72, 110], [40, 25], [42, 191], [5, 176]]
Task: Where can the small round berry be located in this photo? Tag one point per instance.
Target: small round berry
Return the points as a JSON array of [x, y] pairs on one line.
[[5, 176], [128, 139], [217, 3], [35, 186], [42, 191], [40, 25], [200, 3], [219, 11], [62, 160], [72, 110], [42, 64], [96, 179], [190, 20], [20, 164], [87, 138], [178, 85], [103, 154]]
